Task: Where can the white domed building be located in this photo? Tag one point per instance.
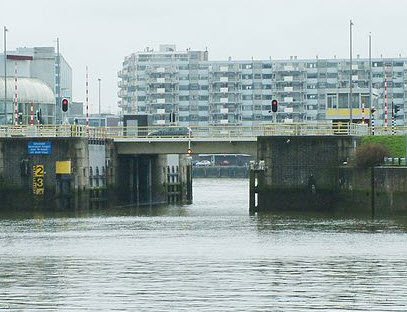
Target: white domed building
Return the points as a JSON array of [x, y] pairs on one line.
[[29, 91]]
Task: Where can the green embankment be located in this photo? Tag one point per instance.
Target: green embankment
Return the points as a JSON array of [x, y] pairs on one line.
[[395, 144]]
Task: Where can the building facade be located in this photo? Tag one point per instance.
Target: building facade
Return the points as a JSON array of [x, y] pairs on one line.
[[42, 63], [201, 92]]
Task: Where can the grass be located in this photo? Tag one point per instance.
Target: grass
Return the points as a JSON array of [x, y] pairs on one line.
[[395, 144]]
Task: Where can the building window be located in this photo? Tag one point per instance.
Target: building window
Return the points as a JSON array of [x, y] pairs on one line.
[[332, 101]]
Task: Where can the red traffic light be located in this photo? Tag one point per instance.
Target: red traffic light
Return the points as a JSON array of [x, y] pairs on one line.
[[65, 103], [274, 106]]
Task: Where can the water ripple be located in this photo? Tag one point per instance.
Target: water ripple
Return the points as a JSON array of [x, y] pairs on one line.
[[210, 256]]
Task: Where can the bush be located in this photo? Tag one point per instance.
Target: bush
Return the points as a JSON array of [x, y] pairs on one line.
[[370, 154]]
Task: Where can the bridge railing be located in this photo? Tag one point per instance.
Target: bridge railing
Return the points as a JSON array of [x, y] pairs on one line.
[[49, 131], [232, 132], [316, 129]]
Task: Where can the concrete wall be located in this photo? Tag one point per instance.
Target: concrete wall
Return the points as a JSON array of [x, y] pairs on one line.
[[389, 189], [16, 183], [302, 171], [307, 173]]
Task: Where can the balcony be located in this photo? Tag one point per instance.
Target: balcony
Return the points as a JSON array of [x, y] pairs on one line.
[[122, 83]]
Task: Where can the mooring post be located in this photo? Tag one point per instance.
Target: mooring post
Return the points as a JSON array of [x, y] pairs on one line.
[[137, 181], [131, 179], [372, 191], [252, 191], [150, 182], [189, 183]]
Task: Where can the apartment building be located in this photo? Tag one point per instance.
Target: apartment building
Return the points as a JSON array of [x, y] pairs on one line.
[[200, 92]]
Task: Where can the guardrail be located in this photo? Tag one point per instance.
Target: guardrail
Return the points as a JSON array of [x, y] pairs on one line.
[[272, 129]]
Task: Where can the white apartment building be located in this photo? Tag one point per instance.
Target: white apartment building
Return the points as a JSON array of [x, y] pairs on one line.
[[202, 92]]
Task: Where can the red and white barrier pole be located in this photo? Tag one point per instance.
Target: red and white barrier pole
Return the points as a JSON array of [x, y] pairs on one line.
[[87, 102], [32, 114], [15, 95]]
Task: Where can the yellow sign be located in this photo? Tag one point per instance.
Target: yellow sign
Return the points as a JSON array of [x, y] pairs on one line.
[[344, 112], [38, 171], [63, 167], [38, 179]]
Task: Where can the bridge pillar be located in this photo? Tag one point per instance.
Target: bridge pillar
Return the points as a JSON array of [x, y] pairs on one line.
[[154, 179]]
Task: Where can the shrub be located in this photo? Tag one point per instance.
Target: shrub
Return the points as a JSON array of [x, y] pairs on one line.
[[370, 154]]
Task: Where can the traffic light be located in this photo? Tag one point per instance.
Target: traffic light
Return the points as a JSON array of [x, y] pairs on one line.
[[274, 106], [396, 109], [20, 118], [64, 104], [38, 115]]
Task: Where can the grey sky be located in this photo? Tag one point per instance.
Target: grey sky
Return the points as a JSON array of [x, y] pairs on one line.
[[99, 33]]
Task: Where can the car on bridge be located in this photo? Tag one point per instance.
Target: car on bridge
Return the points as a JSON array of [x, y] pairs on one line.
[[203, 163], [170, 132]]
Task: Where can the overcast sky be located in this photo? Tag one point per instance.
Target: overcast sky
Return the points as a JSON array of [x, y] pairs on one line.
[[100, 33]]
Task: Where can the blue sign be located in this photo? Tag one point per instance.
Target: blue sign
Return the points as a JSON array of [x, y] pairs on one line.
[[39, 148]]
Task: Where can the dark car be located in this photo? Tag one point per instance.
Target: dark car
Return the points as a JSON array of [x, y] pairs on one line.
[[171, 132]]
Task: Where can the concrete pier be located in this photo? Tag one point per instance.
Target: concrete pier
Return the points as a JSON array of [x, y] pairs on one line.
[[301, 172], [67, 171]]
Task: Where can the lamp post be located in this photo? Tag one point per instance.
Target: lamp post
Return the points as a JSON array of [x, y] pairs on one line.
[[99, 80], [350, 74], [5, 74]]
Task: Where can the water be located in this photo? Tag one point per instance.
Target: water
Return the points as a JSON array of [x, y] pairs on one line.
[[209, 256]]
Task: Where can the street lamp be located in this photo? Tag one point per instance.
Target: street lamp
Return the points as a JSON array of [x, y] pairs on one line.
[[5, 74], [350, 73], [99, 80]]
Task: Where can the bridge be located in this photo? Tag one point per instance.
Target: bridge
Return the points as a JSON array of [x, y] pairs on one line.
[[205, 139], [134, 162]]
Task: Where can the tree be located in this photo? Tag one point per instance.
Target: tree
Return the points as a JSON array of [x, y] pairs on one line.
[[370, 154]]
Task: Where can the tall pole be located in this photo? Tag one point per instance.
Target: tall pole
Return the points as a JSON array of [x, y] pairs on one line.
[[385, 99], [5, 74], [15, 95], [100, 111], [58, 86], [87, 102], [350, 73], [370, 79]]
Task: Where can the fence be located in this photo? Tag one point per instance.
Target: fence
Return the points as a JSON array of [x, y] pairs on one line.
[[228, 132]]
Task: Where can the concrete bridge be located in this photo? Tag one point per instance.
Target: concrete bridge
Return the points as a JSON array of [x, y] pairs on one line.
[[141, 146], [178, 139]]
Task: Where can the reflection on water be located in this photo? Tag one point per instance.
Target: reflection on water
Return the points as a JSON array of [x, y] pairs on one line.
[[209, 256]]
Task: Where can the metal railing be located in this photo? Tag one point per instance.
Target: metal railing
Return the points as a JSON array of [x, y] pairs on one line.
[[226, 132]]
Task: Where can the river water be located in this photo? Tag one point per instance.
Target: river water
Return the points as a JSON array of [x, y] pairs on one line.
[[208, 256]]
